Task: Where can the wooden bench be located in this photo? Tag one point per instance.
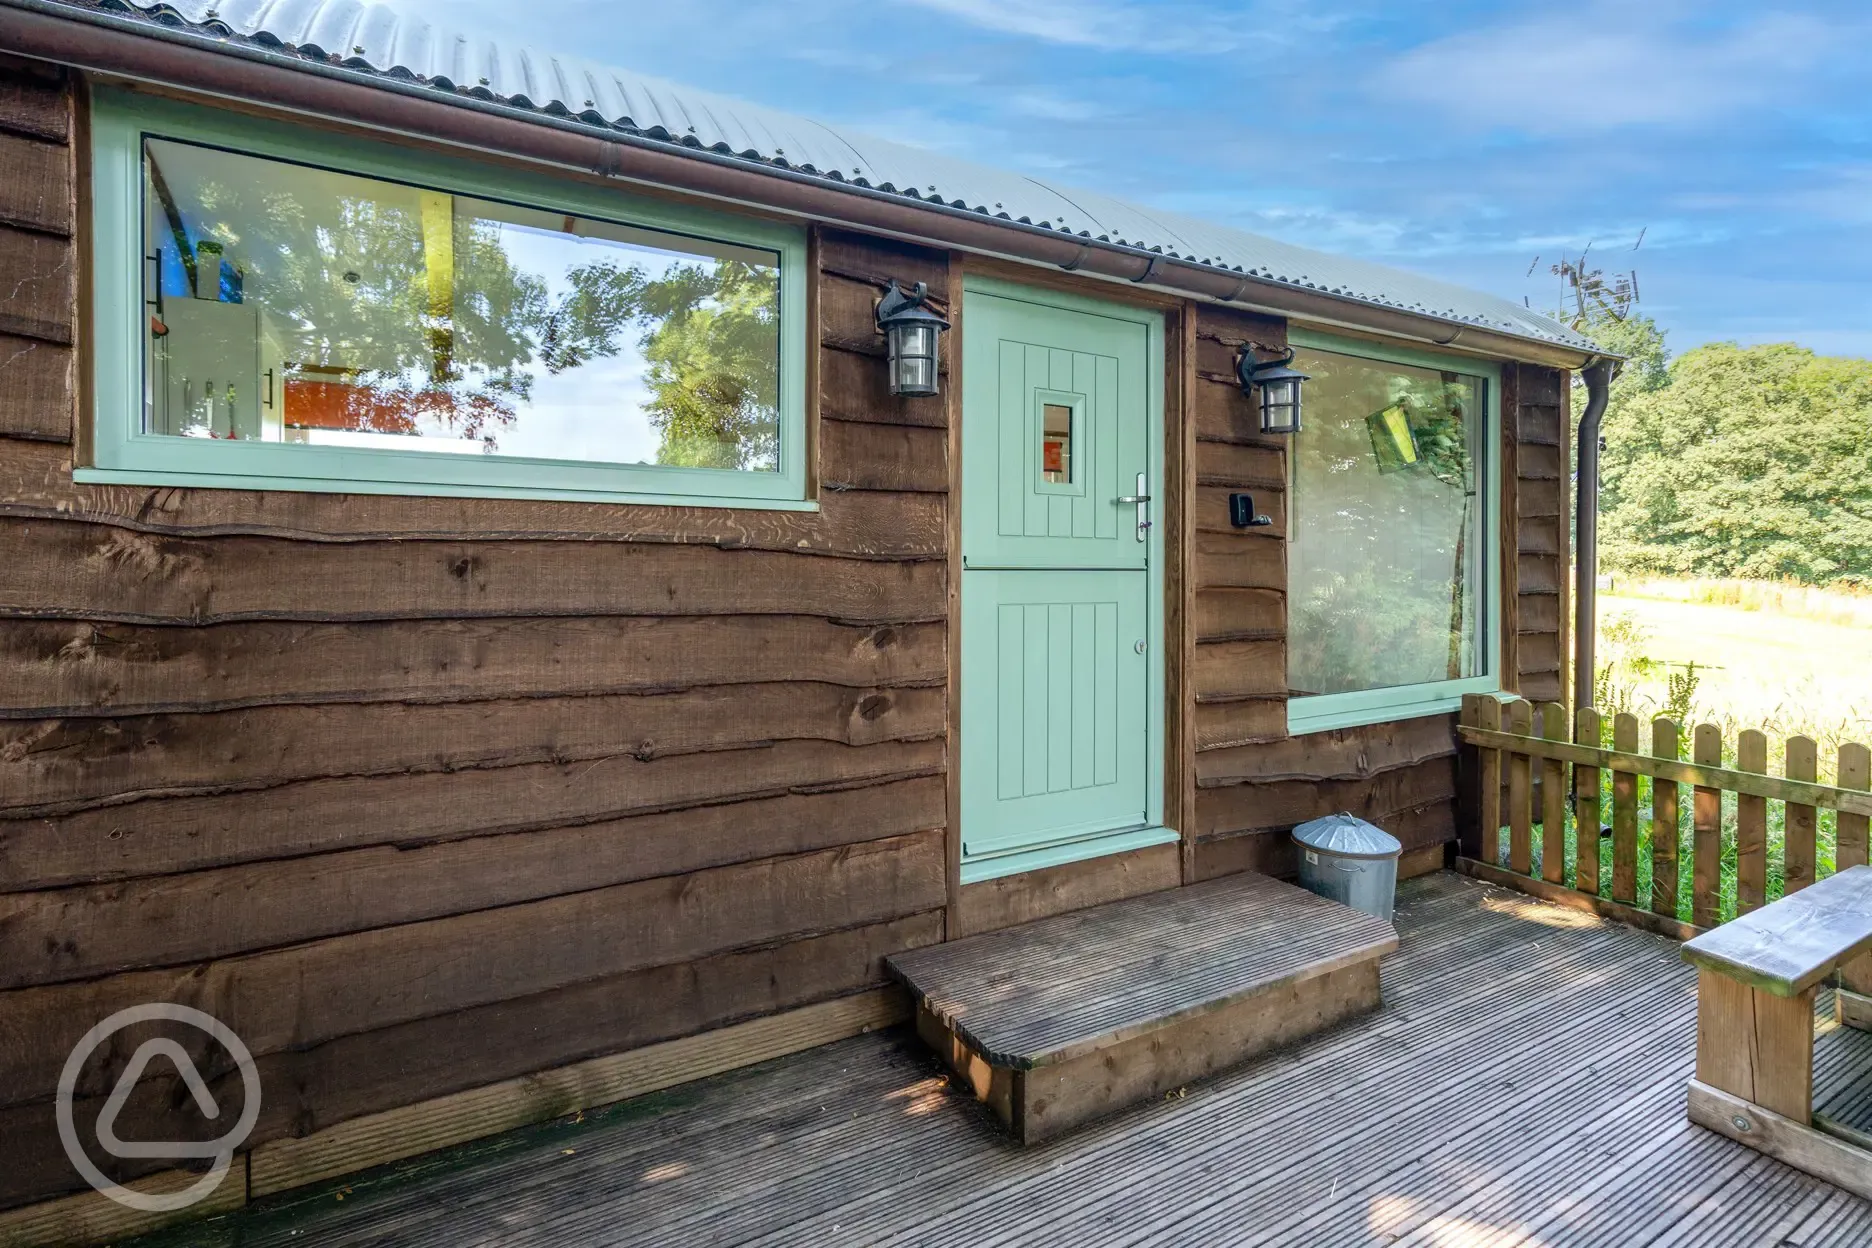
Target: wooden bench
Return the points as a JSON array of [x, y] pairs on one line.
[[1060, 1021], [1756, 980]]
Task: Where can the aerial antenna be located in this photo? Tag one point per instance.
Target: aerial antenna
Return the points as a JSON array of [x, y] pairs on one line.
[[1592, 294]]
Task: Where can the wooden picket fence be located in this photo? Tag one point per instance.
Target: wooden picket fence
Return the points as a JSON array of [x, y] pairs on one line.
[[1514, 751]]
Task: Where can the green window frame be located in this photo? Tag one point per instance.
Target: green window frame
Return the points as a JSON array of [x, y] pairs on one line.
[[122, 453], [1323, 712]]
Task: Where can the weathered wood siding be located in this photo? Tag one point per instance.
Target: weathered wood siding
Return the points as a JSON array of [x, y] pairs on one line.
[[1536, 417], [418, 794], [1253, 782], [423, 794]]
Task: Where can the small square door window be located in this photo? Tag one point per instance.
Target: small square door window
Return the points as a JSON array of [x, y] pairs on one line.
[[1056, 444]]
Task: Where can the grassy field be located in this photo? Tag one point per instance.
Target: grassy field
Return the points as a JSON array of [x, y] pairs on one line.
[[1756, 667], [1786, 660]]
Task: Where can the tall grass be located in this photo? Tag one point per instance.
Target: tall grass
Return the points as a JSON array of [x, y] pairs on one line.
[[1847, 605]]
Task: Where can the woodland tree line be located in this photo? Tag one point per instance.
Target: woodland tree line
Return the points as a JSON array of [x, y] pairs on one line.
[[1731, 461]]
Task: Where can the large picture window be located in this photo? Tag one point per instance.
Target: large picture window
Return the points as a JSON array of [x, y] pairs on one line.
[[319, 314], [1391, 561]]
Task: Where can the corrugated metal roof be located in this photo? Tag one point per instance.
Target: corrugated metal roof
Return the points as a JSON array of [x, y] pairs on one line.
[[377, 40]]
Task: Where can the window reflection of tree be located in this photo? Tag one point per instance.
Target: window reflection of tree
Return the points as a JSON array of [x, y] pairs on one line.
[[350, 287], [1382, 591]]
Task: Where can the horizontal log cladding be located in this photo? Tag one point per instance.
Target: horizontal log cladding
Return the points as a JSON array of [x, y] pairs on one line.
[[35, 101], [40, 299], [1240, 721], [94, 572], [1543, 532], [874, 262], [1224, 614], [855, 387], [1273, 852], [51, 767], [35, 482], [1230, 561], [204, 915], [35, 392], [308, 994], [36, 187], [871, 456], [1225, 670], [65, 668], [1284, 803], [161, 836], [1347, 753], [308, 1089]]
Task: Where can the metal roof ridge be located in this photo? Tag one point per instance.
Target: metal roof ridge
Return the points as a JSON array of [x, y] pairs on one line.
[[380, 40]]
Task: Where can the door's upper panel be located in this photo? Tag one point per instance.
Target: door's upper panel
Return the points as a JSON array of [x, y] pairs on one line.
[[1055, 422]]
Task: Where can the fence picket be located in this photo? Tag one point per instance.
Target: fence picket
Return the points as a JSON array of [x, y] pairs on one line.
[[1586, 731], [1489, 782], [1531, 746], [1664, 823], [1751, 826], [1625, 813], [1706, 840], [1553, 797], [1801, 823], [1520, 797], [1855, 772]]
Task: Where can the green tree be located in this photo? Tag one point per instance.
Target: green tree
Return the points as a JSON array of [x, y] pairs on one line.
[[709, 333], [1739, 461]]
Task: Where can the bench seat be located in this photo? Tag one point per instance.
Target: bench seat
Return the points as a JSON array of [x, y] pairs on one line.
[[1756, 981], [1791, 946]]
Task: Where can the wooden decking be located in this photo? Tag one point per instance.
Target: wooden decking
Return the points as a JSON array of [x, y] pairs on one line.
[[1522, 1084]]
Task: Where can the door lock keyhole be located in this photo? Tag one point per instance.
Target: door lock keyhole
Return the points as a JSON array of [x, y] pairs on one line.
[[1139, 645]]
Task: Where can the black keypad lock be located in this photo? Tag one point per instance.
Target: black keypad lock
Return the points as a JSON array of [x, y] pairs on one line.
[[1242, 513]]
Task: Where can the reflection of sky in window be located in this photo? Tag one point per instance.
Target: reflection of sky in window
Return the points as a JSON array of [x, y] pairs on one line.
[[321, 345], [597, 411]]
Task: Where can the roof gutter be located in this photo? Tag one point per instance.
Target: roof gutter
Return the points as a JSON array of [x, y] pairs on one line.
[[148, 51], [1598, 378]]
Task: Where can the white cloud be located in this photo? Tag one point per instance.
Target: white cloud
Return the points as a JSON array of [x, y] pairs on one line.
[[1607, 66], [1139, 25], [1046, 105]]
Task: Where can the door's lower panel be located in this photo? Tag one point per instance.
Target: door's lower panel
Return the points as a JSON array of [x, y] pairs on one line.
[[1055, 729]]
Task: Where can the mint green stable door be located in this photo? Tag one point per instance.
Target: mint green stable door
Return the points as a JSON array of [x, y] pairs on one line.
[[1061, 648]]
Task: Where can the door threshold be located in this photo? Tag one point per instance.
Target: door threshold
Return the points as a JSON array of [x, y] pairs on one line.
[[1122, 840]]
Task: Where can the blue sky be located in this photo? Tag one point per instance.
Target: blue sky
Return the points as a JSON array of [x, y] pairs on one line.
[[1460, 138]]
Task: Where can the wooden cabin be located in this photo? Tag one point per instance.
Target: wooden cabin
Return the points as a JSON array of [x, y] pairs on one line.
[[476, 620]]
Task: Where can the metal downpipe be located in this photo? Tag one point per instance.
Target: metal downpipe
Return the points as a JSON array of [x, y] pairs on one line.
[[1598, 377]]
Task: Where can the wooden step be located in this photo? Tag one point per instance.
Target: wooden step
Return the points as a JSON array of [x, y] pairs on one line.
[[1060, 1021]]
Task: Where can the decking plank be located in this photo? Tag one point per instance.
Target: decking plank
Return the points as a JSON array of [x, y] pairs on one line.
[[1449, 1116]]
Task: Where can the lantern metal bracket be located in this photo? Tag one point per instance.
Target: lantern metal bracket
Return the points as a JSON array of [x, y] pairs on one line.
[[895, 302], [1246, 365]]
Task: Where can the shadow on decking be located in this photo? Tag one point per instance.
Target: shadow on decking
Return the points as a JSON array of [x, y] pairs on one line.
[[1523, 1084]]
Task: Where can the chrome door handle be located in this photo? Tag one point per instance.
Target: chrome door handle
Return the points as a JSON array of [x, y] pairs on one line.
[[1142, 500]]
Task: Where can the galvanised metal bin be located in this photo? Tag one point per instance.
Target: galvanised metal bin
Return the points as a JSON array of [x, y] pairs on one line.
[[1350, 861]]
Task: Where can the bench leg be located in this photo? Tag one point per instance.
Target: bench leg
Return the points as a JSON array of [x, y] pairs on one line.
[[1756, 1046], [1854, 1002]]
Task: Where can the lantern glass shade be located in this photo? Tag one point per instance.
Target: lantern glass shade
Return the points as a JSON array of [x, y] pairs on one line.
[[913, 358], [1280, 401]]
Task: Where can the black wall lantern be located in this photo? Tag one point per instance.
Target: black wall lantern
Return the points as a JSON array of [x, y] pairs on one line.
[[1280, 389], [912, 329]]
